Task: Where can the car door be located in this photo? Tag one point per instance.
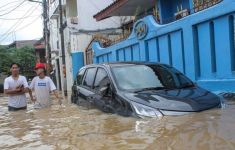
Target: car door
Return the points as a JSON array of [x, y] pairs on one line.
[[85, 89], [103, 92], [105, 95], [77, 82]]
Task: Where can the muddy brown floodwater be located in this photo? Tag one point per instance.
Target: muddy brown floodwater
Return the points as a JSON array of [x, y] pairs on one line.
[[71, 127]]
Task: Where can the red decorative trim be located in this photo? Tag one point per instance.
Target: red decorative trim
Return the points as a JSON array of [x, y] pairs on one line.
[[39, 47], [105, 13]]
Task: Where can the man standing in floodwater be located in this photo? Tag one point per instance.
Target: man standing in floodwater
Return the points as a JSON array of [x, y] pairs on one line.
[[15, 86], [42, 86]]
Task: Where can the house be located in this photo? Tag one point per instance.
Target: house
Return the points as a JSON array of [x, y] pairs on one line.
[[22, 43], [40, 51], [79, 28]]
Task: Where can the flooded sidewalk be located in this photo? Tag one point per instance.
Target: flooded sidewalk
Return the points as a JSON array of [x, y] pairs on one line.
[[71, 127]]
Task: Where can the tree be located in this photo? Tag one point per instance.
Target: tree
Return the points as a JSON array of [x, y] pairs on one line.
[[5, 59], [24, 56]]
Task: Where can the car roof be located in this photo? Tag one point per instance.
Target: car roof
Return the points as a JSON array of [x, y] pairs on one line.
[[113, 64]]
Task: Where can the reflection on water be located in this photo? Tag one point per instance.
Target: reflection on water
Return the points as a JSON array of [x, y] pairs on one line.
[[71, 127]]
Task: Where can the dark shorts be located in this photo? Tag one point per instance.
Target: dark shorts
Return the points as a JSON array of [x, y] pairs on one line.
[[16, 109]]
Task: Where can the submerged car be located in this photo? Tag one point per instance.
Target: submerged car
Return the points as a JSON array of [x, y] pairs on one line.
[[140, 89]]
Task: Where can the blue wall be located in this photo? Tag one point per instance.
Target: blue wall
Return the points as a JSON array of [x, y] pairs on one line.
[[200, 45], [77, 61]]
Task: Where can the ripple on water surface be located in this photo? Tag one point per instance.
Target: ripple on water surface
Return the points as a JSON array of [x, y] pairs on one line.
[[72, 127]]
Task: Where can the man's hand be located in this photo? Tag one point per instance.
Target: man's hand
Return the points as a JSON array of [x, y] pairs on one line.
[[21, 90], [60, 101], [33, 99], [58, 97], [14, 92]]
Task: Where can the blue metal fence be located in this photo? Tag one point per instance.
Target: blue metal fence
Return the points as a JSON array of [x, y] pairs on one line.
[[200, 45]]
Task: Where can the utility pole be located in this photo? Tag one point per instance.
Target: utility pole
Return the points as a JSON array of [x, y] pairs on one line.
[[62, 32], [62, 42], [46, 34]]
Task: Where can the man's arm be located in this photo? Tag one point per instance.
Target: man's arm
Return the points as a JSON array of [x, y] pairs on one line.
[[31, 95], [56, 93], [57, 96], [53, 89], [9, 91], [13, 91], [30, 90], [17, 91]]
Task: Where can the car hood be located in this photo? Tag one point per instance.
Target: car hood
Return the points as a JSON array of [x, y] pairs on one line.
[[186, 100]]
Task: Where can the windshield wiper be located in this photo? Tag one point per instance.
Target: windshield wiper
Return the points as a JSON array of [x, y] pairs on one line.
[[150, 88]]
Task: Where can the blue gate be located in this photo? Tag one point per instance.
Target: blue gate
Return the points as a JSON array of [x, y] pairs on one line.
[[201, 45]]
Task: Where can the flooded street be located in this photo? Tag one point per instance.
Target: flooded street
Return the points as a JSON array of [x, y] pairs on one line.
[[71, 127]]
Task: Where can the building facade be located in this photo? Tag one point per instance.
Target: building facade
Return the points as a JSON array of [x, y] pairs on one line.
[[195, 36], [79, 29], [40, 51]]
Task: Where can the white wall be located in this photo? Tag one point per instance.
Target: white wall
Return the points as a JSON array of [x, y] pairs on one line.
[[80, 42], [54, 34], [71, 8], [88, 8], [75, 42]]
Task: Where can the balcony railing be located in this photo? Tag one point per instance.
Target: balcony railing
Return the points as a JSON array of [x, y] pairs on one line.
[[111, 41], [182, 14], [120, 38], [198, 6], [105, 42]]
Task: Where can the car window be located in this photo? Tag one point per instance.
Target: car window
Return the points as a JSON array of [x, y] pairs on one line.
[[166, 77], [89, 78], [135, 77], [101, 79], [184, 80], [80, 76]]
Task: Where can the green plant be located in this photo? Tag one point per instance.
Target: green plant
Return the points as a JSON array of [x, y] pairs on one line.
[[24, 56]]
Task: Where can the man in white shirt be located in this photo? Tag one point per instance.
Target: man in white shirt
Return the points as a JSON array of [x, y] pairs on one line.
[[15, 86], [42, 86]]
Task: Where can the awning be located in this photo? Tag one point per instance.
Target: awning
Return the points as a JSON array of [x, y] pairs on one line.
[[125, 8]]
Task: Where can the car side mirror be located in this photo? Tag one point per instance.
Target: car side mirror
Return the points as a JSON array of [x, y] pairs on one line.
[[75, 88], [103, 91]]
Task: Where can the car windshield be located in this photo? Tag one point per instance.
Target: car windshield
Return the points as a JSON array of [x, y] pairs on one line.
[[137, 77]]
